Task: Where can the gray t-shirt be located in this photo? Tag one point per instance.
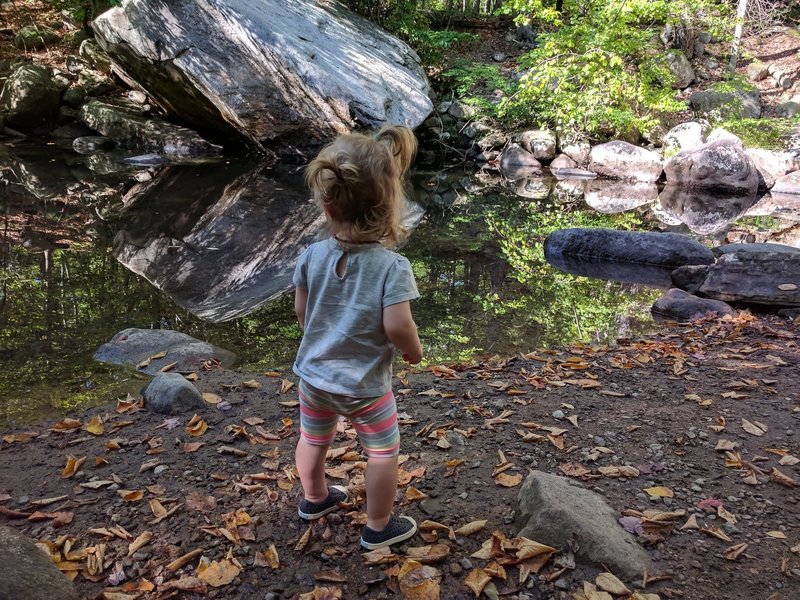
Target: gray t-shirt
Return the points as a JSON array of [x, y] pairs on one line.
[[345, 349]]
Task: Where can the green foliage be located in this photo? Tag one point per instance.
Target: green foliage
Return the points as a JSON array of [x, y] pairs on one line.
[[769, 134], [83, 10], [473, 83], [733, 84], [599, 66]]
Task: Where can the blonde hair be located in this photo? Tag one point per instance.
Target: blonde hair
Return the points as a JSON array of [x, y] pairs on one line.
[[358, 181]]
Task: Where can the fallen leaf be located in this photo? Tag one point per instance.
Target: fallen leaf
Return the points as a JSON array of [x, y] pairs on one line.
[[196, 426], [734, 552], [140, 542], [286, 385], [380, 556], [507, 480], [251, 384], [611, 584], [130, 495], [211, 398], [418, 581], [303, 541], [788, 461], [717, 533], [168, 367], [574, 470], [691, 523], [471, 528], [72, 466], [428, 554], [66, 425], [476, 580], [778, 535], [782, 479], [755, 428], [659, 492], [271, 556], [217, 573]]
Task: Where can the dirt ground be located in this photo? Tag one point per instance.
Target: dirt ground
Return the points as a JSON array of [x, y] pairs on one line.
[[707, 415]]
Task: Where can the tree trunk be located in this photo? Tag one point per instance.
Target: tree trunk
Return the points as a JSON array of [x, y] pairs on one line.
[[741, 11]]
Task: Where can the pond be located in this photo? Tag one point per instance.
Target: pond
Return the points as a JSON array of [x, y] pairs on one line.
[[92, 245]]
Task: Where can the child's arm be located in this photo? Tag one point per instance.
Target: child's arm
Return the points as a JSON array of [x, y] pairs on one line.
[[300, 300], [402, 331]]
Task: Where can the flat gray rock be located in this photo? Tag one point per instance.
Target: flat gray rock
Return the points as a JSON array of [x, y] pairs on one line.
[[558, 511], [769, 278], [27, 573], [133, 346]]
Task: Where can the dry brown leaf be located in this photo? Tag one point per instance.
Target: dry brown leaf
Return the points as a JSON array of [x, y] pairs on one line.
[[754, 428], [507, 480], [72, 466], [724, 445], [691, 523], [717, 533], [476, 580], [130, 495], [659, 492], [286, 385], [529, 549], [413, 494], [733, 552], [168, 367], [303, 541], [418, 581], [619, 471], [217, 573], [143, 539], [428, 554], [788, 461], [574, 470], [611, 584], [783, 479], [211, 398], [251, 384], [271, 556], [196, 426], [471, 528], [95, 426], [380, 556]]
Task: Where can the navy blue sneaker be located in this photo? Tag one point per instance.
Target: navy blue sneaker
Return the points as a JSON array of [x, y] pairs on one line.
[[397, 530], [311, 511]]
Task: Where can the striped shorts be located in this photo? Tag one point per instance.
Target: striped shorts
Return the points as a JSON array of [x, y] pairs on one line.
[[374, 419]]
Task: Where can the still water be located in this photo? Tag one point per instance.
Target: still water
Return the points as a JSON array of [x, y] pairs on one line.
[[92, 245]]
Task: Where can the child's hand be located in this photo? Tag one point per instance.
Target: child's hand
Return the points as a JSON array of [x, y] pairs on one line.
[[408, 359]]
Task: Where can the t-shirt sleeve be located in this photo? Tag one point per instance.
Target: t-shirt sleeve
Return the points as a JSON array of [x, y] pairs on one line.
[[400, 285], [300, 278]]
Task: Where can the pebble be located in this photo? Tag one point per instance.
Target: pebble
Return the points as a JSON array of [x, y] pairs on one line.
[[561, 583], [730, 528], [455, 569], [160, 469], [466, 564], [22, 500], [463, 495], [558, 414], [475, 465], [141, 555]]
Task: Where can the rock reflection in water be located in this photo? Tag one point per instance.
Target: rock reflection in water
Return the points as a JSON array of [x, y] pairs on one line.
[[703, 212], [782, 206], [611, 197], [219, 240], [650, 275]]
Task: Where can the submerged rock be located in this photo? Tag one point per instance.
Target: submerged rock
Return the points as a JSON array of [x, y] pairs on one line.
[[650, 248], [560, 512], [132, 129], [29, 98], [135, 346], [681, 306], [265, 73]]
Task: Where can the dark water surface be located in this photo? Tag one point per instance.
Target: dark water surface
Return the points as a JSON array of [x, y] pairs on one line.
[[91, 246]]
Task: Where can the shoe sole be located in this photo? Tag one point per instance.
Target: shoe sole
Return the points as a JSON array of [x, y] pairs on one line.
[[395, 540], [330, 509]]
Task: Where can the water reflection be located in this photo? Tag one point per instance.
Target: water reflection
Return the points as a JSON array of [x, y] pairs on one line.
[[703, 212], [218, 241]]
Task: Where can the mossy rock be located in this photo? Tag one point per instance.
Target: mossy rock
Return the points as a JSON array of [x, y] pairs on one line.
[[35, 37]]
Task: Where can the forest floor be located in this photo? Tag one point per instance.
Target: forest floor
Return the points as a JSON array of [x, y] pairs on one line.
[[707, 415]]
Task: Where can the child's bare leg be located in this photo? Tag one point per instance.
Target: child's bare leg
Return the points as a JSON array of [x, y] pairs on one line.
[[310, 461], [381, 483]]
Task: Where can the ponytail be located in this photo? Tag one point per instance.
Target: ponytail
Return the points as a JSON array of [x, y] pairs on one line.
[[401, 143]]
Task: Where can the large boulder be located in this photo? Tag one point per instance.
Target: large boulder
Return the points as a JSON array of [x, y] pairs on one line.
[[562, 513], [651, 248], [28, 573], [716, 105], [621, 160], [517, 163], [135, 347], [722, 166], [266, 72], [29, 98], [677, 305], [130, 128], [768, 278]]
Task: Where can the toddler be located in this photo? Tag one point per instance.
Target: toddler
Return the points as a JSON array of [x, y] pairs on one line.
[[352, 301]]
